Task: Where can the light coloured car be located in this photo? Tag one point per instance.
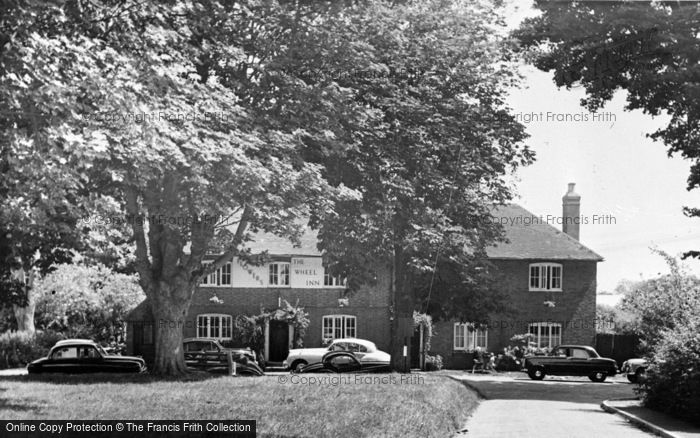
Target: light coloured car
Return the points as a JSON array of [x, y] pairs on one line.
[[635, 369], [364, 350]]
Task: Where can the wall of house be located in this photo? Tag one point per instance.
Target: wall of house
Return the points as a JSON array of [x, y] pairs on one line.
[[574, 309], [370, 305]]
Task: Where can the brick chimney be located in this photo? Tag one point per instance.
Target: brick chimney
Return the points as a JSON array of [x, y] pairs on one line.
[[571, 212]]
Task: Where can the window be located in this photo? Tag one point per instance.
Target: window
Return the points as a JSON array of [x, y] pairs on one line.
[[339, 326], [65, 353], [279, 274], [545, 276], [214, 326], [220, 277], [333, 280], [545, 334], [468, 336]]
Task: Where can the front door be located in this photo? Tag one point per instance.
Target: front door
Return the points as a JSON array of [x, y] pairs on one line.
[[279, 341]]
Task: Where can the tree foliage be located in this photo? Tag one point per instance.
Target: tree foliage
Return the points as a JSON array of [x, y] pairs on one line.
[[662, 304], [86, 301], [431, 165], [204, 122]]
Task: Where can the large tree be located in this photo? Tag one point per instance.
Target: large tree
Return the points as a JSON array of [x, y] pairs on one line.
[[208, 121], [172, 110], [431, 163], [649, 49]]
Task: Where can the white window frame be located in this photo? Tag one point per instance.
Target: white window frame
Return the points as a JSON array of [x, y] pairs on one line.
[[552, 341], [216, 278], [545, 278], [333, 280], [468, 336], [279, 279], [221, 331], [338, 327]]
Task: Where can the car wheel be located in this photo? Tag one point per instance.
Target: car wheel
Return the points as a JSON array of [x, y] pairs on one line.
[[536, 373], [598, 376], [297, 365], [633, 378]]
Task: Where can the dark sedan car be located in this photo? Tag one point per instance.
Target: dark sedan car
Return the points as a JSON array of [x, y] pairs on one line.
[[84, 356], [209, 355], [571, 360], [344, 362]]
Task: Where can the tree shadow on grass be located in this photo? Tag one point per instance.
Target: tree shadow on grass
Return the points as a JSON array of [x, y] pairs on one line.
[[98, 378]]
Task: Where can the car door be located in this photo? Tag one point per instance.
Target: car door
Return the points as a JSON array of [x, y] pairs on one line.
[[62, 360], [359, 350], [557, 362], [579, 362], [88, 360]]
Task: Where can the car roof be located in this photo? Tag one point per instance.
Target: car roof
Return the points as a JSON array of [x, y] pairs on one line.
[[65, 342], [364, 342], [200, 340], [586, 347]]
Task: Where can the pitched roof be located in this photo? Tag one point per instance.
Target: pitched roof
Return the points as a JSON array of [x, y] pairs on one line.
[[282, 246], [529, 237], [140, 313]]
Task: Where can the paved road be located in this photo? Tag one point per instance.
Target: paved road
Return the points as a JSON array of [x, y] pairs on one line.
[[521, 408]]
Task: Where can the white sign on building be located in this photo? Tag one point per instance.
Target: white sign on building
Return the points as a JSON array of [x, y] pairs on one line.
[[307, 272]]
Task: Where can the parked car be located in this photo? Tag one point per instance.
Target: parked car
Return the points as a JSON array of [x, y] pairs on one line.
[[365, 351], [344, 362], [196, 345], [84, 356], [635, 369], [209, 355], [571, 360]]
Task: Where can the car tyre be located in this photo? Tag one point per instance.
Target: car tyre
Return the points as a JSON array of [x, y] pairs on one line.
[[536, 373], [297, 365], [598, 376]]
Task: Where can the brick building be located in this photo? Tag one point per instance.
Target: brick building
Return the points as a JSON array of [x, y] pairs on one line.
[[550, 278], [295, 275]]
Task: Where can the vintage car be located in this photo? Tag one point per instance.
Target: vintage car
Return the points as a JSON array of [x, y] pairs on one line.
[[635, 369], [365, 351], [84, 356], [344, 362], [570, 360], [195, 345], [209, 355]]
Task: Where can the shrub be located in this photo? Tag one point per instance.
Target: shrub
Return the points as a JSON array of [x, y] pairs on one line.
[[17, 349], [673, 377], [433, 363], [512, 357]]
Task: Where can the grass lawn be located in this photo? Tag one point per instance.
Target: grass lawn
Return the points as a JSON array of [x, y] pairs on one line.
[[290, 406]]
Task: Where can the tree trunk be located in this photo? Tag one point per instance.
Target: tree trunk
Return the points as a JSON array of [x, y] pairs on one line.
[[24, 315], [402, 322], [169, 319]]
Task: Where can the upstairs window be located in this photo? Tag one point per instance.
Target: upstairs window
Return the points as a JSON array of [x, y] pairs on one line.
[[220, 277], [279, 274], [545, 277], [333, 280]]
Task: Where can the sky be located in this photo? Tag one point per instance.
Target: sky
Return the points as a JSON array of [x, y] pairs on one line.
[[623, 177]]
